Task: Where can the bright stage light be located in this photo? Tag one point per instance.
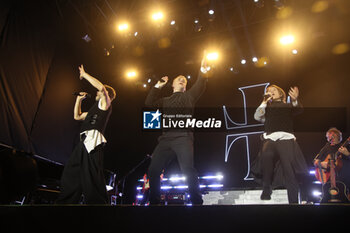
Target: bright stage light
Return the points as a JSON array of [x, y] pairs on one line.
[[316, 193], [131, 74], [212, 56], [123, 27], [243, 61], [286, 40], [294, 51], [211, 12], [254, 59], [157, 16], [172, 22]]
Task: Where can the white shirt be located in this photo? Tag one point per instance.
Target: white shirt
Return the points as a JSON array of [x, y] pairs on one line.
[[93, 137], [279, 135]]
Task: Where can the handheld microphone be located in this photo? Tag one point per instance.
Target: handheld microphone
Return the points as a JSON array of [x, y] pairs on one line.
[[266, 95], [78, 94]]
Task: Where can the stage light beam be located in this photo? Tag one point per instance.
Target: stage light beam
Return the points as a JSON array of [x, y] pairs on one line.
[[123, 27], [213, 56], [157, 16], [287, 40], [131, 74]]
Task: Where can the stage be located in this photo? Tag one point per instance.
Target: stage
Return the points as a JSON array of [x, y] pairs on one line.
[[213, 218]]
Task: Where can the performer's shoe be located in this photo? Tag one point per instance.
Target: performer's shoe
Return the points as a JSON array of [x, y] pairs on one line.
[[200, 202], [266, 194]]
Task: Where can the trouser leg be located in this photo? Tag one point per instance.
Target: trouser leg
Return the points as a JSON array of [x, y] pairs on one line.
[[285, 150], [161, 156], [267, 163], [70, 187], [93, 179], [183, 147]]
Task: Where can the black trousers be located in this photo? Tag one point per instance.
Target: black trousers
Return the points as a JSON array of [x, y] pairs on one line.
[[83, 175], [284, 151], [168, 149]]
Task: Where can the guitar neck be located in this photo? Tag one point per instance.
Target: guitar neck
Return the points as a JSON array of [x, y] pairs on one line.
[[332, 173], [344, 144]]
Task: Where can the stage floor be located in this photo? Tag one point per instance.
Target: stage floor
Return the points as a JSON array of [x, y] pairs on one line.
[[213, 218]]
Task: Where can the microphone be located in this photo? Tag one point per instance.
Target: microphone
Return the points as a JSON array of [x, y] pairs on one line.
[[266, 96], [78, 94]]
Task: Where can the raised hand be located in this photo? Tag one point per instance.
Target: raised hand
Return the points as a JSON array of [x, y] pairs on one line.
[[161, 83], [82, 72], [82, 95], [205, 67], [293, 93]]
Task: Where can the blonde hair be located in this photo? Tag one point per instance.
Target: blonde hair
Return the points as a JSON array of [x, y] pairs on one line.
[[280, 91]]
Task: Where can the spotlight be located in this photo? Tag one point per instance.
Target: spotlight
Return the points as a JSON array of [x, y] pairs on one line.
[[123, 27], [233, 70], [131, 74], [198, 27], [286, 40], [136, 33], [261, 62], [316, 193], [144, 85], [254, 59], [157, 16], [294, 51], [149, 80], [212, 56], [196, 21], [243, 61], [188, 76], [211, 15], [106, 52], [172, 22]]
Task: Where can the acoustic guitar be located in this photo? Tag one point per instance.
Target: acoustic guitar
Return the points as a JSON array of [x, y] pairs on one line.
[[323, 174], [334, 191]]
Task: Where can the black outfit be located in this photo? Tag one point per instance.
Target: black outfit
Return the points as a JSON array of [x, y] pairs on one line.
[[280, 161], [83, 174], [175, 143]]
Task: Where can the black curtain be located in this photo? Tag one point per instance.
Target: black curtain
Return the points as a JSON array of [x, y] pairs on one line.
[[27, 51]]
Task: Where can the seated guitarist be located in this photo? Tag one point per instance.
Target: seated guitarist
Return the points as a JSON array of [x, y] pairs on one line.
[[334, 137]]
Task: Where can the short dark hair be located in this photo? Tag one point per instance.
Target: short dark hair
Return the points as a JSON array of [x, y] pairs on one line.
[[111, 92]]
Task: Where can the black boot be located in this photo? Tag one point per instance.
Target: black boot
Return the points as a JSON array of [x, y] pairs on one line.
[[266, 193]]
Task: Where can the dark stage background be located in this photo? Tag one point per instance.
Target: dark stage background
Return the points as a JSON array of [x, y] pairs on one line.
[[42, 47]]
